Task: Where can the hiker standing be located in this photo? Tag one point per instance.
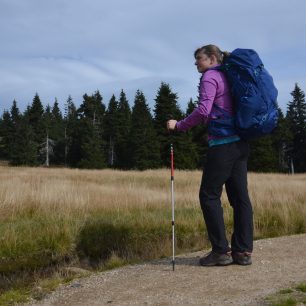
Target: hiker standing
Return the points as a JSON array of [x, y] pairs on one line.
[[226, 164]]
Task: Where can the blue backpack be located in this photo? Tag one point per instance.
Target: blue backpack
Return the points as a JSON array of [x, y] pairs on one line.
[[254, 94]]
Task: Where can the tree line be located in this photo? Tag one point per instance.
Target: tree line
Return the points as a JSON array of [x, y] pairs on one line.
[[97, 136]]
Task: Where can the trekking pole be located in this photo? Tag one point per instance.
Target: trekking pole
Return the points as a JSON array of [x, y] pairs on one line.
[[172, 202]]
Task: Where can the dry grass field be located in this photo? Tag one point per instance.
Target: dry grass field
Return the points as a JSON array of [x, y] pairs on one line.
[[50, 216]]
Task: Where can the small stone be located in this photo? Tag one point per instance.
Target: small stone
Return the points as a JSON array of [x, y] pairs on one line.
[[75, 285]]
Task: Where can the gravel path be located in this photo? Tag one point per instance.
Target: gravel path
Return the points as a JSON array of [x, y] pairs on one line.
[[277, 263]]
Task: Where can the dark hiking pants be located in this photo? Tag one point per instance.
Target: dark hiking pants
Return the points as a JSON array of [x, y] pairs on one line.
[[227, 164]]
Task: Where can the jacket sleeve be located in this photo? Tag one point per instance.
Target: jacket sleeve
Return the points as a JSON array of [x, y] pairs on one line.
[[207, 93]]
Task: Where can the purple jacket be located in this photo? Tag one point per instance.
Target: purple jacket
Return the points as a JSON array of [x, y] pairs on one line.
[[213, 89]]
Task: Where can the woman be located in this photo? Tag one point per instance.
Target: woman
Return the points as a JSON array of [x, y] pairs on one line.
[[226, 164]]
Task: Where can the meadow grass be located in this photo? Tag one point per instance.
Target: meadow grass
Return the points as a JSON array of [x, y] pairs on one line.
[[290, 296], [50, 217]]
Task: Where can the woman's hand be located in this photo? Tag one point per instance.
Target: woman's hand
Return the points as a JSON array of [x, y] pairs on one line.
[[171, 124]]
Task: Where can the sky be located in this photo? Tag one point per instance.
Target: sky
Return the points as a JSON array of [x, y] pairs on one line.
[[62, 47]]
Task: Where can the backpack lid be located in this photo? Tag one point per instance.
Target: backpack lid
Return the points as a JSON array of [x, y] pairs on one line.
[[244, 57]]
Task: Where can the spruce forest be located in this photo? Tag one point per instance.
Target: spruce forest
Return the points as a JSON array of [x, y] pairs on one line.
[[96, 135]]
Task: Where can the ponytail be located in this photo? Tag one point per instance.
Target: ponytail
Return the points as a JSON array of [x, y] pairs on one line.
[[225, 54]]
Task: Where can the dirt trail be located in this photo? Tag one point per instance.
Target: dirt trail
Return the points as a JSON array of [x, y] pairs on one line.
[[277, 263]]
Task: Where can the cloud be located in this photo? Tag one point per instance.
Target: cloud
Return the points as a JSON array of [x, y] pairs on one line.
[[61, 47]]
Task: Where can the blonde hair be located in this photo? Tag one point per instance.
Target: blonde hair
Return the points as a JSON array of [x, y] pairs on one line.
[[210, 50]]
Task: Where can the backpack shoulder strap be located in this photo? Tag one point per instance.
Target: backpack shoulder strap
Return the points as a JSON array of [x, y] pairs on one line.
[[218, 68], [222, 111]]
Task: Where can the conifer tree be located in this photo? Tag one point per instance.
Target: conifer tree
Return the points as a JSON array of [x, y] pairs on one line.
[[6, 135], [15, 117], [70, 128], [124, 126], [47, 118], [57, 133], [166, 107], [17, 142], [296, 116], [23, 149], [2, 133], [190, 107], [35, 115], [263, 155], [281, 138], [91, 151], [56, 112], [87, 140], [92, 108], [110, 131], [199, 135], [15, 113], [70, 109], [143, 141]]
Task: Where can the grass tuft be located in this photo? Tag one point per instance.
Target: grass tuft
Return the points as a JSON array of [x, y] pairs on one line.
[[301, 287], [285, 291], [289, 296], [13, 296]]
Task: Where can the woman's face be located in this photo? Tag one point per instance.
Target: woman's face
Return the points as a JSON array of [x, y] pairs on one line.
[[203, 62]]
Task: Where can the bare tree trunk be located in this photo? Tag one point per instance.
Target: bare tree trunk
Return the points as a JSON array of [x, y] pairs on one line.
[[47, 151], [292, 166]]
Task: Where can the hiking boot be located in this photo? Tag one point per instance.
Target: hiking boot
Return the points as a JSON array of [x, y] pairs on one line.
[[243, 259], [216, 259]]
